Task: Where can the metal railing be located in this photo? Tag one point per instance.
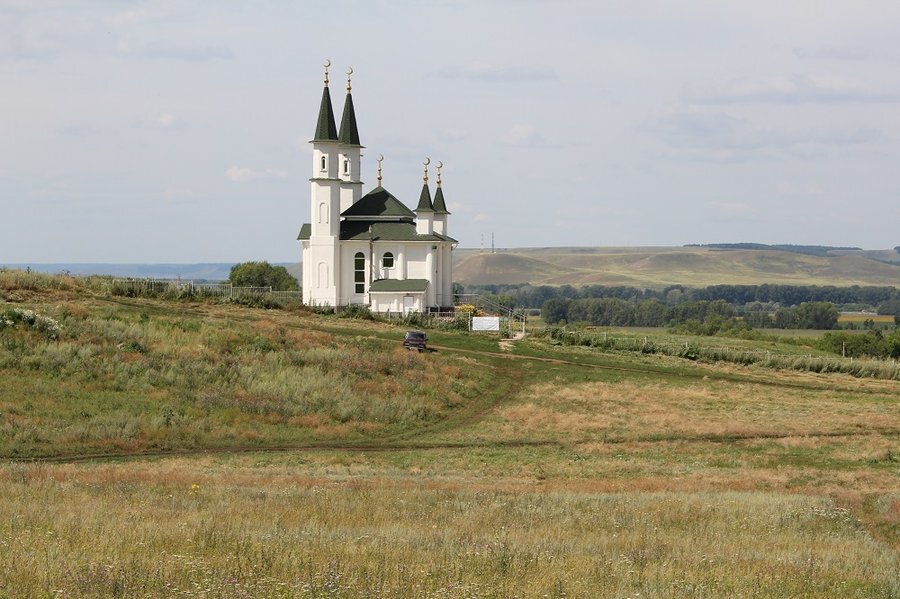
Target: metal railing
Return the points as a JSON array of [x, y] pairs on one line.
[[200, 288]]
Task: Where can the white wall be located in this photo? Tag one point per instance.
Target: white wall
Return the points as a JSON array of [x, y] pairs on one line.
[[393, 302]]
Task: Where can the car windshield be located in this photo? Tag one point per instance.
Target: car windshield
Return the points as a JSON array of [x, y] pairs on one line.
[[415, 335]]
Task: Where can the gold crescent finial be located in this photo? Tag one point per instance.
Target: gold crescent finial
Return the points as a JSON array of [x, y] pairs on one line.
[[326, 65], [380, 160], [426, 163], [440, 165], [349, 72]]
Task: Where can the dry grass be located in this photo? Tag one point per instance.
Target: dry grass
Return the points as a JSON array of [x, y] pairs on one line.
[[137, 375], [177, 528], [636, 411], [785, 484], [860, 318]]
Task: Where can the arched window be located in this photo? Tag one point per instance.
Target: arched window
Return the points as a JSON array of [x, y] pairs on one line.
[[359, 272], [323, 213], [323, 275], [387, 261], [324, 164], [346, 166]]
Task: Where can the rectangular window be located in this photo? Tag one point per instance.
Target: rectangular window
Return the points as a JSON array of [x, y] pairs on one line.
[[359, 272]]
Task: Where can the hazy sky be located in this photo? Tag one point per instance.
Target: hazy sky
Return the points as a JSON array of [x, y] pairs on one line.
[[177, 131]]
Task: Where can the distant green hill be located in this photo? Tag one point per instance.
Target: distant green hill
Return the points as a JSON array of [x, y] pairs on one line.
[[694, 266]]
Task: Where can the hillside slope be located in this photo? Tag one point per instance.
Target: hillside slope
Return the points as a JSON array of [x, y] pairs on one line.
[[661, 266]]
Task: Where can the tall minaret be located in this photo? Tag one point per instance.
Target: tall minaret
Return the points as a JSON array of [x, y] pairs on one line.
[[325, 193], [425, 211], [425, 226], [349, 168], [445, 259]]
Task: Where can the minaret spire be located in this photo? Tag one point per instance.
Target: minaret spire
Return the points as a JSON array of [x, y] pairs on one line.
[[439, 206], [380, 160], [349, 134], [325, 127], [425, 197]]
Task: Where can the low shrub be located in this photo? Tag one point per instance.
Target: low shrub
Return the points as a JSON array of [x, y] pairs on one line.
[[31, 319]]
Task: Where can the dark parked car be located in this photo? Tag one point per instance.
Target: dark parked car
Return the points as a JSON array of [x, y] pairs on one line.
[[415, 340]]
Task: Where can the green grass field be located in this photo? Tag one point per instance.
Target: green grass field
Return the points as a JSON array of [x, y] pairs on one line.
[[188, 448]]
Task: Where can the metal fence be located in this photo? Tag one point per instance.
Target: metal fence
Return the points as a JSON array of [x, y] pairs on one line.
[[203, 288]]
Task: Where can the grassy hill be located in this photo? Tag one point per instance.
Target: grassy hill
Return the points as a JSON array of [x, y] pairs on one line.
[[658, 267], [153, 447]]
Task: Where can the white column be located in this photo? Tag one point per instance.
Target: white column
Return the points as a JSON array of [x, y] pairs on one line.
[[447, 276], [401, 263], [429, 275]]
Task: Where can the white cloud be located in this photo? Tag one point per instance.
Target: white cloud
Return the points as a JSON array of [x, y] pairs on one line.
[[166, 120], [176, 194], [851, 53], [521, 135], [481, 217], [241, 174], [794, 189], [794, 89], [496, 74], [188, 52], [732, 208], [452, 134], [720, 136], [130, 17]]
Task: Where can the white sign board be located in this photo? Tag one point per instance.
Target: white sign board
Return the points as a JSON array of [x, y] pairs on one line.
[[485, 323]]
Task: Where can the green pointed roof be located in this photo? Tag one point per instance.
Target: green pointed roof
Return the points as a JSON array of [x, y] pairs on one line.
[[349, 133], [425, 200], [325, 127], [378, 231], [378, 204], [439, 206]]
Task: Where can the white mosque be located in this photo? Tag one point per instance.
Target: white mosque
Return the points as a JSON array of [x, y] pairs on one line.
[[370, 250]]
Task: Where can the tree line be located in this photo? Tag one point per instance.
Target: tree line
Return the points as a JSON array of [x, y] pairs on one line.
[[698, 316], [765, 295]]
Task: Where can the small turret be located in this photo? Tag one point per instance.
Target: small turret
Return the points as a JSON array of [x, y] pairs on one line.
[[425, 210], [349, 153], [440, 207]]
